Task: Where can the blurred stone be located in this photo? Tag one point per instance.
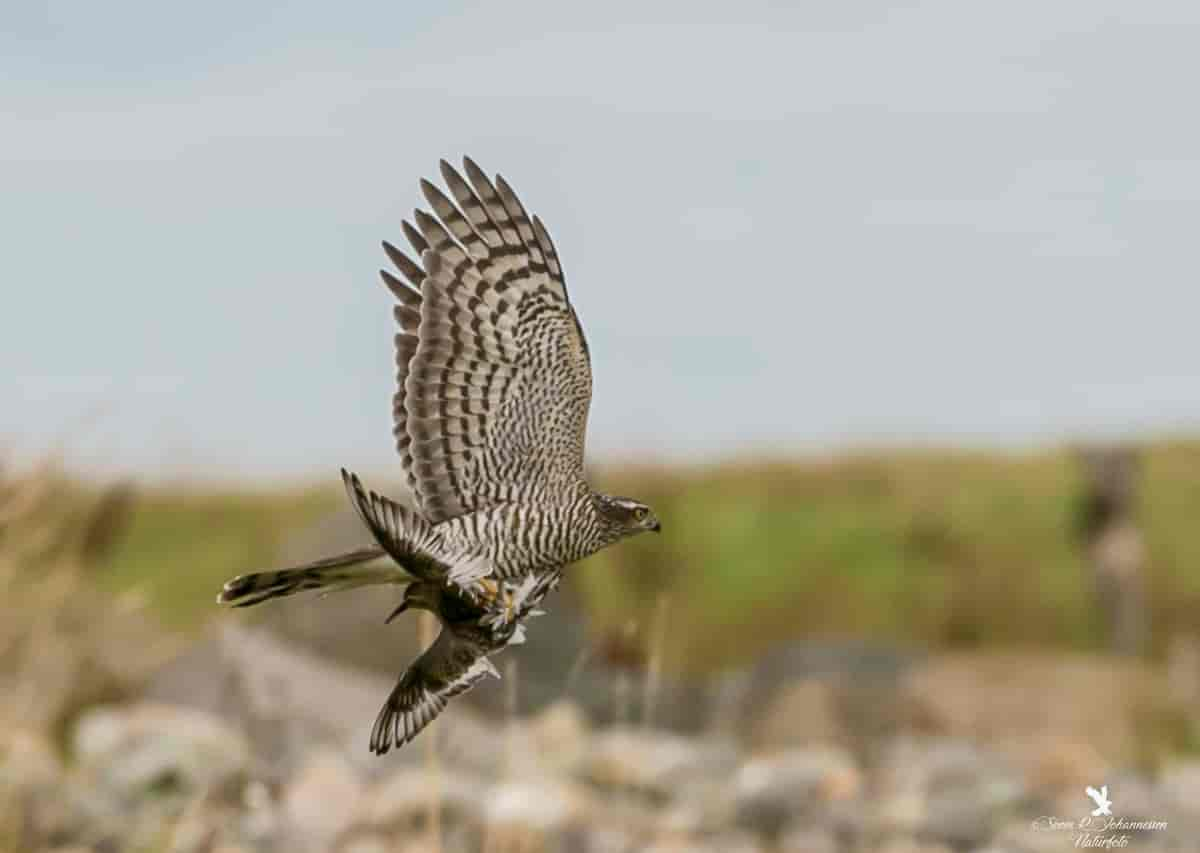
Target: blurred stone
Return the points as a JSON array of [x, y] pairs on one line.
[[321, 801], [541, 808], [366, 843], [283, 696], [260, 819], [559, 734], [861, 673], [28, 760], [771, 791], [654, 762], [807, 839], [1056, 763], [908, 845], [700, 805], [970, 817], [987, 697], [601, 838], [199, 828], [406, 798], [802, 714], [147, 749], [726, 842], [1179, 784], [947, 790], [1023, 837], [32, 788], [1183, 671], [720, 844]]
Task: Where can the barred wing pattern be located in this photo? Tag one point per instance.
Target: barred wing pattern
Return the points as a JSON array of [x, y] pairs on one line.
[[494, 372], [446, 669]]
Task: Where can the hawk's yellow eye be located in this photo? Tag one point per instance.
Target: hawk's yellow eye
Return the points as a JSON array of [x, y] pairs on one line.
[[639, 513]]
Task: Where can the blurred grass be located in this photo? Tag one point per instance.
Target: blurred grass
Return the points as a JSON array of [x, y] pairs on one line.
[[182, 544], [936, 548], [941, 548]]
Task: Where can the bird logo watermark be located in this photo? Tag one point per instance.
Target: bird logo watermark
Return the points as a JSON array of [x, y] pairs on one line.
[[1100, 830], [1100, 798]]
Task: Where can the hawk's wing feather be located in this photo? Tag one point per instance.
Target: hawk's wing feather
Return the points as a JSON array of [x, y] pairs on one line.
[[494, 372], [446, 669]]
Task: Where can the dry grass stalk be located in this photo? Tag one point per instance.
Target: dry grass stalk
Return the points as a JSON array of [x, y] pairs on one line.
[[512, 675], [654, 662], [427, 628]]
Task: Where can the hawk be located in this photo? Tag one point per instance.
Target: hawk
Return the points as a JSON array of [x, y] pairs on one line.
[[490, 415]]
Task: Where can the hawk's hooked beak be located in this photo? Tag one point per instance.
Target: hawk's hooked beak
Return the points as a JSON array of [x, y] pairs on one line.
[[657, 528]]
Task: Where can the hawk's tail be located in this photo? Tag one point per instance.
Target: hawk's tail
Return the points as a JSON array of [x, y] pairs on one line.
[[344, 571]]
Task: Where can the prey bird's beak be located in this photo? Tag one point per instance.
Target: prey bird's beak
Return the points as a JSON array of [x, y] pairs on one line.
[[400, 608]]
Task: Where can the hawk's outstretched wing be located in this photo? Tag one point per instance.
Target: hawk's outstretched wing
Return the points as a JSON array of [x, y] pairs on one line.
[[446, 669], [494, 373]]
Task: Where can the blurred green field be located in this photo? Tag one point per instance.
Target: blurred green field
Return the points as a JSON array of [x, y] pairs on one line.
[[933, 548]]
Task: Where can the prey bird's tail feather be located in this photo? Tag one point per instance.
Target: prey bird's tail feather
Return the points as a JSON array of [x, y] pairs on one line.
[[345, 571]]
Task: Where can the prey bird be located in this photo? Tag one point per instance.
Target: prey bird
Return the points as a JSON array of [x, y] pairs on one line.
[[494, 384]]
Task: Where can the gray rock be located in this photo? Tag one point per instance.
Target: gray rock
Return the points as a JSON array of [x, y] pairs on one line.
[[729, 842], [1179, 786], [945, 790], [804, 713], [908, 845], [861, 671], [1021, 836], [259, 820], [284, 697], [654, 762], [559, 735], [145, 749], [770, 792], [700, 805], [534, 808], [601, 838], [199, 828], [807, 839], [406, 798], [366, 843], [32, 791], [321, 802]]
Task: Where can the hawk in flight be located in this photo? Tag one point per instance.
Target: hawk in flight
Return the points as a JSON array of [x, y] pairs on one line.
[[494, 383]]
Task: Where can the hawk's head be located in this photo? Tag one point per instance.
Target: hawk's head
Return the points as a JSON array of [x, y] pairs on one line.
[[625, 516]]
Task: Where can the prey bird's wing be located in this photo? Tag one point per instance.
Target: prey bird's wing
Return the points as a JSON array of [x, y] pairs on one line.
[[446, 669], [494, 374]]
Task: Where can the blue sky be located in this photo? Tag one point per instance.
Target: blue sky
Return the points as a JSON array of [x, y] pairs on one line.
[[784, 228]]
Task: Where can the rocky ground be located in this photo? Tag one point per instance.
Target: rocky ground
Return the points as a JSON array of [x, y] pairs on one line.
[[268, 753]]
